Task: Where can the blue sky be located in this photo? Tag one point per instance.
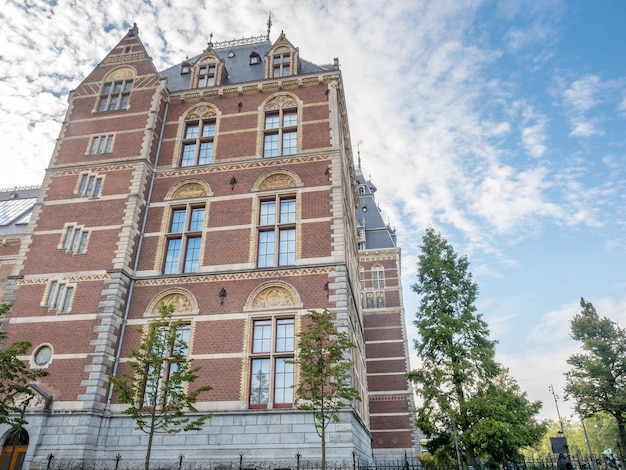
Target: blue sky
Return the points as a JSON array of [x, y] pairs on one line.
[[500, 123]]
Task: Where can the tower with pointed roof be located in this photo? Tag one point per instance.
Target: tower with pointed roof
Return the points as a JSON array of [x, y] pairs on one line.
[[225, 187]]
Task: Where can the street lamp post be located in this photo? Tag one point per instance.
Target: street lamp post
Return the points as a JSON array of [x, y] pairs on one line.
[[456, 445], [594, 464]]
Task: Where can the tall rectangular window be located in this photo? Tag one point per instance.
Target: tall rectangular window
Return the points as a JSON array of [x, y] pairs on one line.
[[271, 367], [174, 354], [206, 75], [59, 296], [101, 144], [198, 143], [277, 232], [115, 95], [280, 133], [184, 240], [378, 277], [75, 239], [281, 65], [90, 185]]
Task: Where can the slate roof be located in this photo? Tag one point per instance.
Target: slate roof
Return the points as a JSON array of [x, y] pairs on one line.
[[378, 234], [238, 66], [16, 206]]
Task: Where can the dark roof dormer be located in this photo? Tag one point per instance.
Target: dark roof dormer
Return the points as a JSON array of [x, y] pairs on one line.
[[185, 67], [255, 58], [283, 59], [209, 69]]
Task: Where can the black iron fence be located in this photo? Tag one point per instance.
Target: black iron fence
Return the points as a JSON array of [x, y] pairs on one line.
[[404, 463]]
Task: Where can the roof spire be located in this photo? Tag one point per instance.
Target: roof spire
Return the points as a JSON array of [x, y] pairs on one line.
[[358, 152], [269, 25], [210, 43]]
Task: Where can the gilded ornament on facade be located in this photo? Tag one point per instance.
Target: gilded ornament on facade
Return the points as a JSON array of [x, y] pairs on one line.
[[278, 180], [273, 296], [122, 74], [180, 301], [190, 190]]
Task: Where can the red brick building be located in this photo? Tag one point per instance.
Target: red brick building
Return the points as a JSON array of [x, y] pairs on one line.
[[224, 186]]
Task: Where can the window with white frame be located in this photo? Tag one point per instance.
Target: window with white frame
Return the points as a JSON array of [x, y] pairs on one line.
[[206, 75], [171, 346], [115, 95], [75, 239], [271, 363], [90, 185], [198, 143], [59, 296], [277, 231], [380, 299], [184, 239], [280, 133], [281, 65], [101, 144], [378, 277]]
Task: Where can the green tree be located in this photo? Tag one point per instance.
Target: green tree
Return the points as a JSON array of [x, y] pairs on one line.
[[601, 432], [459, 382], [503, 421], [14, 377], [597, 378], [324, 387], [156, 390]]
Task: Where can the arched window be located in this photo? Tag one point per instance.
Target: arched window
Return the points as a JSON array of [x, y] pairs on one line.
[[277, 231], [198, 140], [255, 58], [185, 227], [280, 127], [115, 92], [378, 277], [184, 239]]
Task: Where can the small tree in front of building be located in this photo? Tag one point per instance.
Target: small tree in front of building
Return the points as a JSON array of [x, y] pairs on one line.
[[324, 387], [158, 390], [14, 377]]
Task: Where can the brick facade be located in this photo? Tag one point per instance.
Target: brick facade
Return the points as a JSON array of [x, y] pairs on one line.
[[124, 199]]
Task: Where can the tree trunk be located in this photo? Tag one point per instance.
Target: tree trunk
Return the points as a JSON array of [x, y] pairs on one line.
[[323, 447], [146, 465], [621, 428]]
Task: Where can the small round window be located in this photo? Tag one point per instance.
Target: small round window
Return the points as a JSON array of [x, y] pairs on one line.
[[43, 355]]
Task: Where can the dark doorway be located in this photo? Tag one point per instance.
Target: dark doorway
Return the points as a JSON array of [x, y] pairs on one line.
[[14, 450]]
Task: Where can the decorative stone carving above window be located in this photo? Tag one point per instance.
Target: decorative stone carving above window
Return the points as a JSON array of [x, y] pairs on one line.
[[183, 302], [190, 190], [277, 180], [281, 102], [201, 112], [274, 295]]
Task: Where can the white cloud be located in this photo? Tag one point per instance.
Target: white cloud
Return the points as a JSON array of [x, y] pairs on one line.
[[453, 134]]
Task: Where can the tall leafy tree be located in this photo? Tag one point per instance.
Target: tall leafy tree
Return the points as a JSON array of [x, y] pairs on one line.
[[459, 383], [503, 421], [597, 378], [325, 386], [158, 388], [14, 377]]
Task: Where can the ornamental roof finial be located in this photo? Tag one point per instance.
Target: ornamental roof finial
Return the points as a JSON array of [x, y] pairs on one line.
[[269, 25]]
